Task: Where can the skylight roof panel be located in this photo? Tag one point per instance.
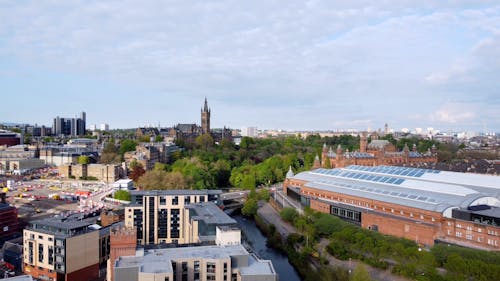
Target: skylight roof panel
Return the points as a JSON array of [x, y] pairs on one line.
[[386, 192], [399, 181], [394, 193], [412, 196], [392, 180], [422, 198]]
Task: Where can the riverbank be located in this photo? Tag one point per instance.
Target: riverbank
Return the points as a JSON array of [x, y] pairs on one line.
[[258, 244], [310, 260]]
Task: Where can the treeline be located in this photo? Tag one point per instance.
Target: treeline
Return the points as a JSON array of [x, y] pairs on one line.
[[255, 162]]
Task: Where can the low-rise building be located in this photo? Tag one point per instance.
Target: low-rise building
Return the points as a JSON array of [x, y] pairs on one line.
[[19, 159], [102, 172], [422, 205], [219, 263]]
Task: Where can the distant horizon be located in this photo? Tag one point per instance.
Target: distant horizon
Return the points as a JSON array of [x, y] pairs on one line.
[[304, 65], [393, 130]]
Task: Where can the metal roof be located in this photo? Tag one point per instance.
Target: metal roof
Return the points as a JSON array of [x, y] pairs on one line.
[[209, 213], [419, 188]]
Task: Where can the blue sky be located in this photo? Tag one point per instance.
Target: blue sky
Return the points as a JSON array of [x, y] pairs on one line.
[[320, 65]]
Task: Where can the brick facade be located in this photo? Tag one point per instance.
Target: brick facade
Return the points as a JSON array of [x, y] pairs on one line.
[[419, 225]]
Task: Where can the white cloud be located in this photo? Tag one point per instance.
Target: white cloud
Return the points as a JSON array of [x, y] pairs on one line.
[[454, 113], [381, 61]]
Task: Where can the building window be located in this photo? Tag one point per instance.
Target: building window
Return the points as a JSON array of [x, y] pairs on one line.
[[175, 200], [184, 271], [40, 252], [468, 237], [459, 225], [469, 228], [458, 234], [480, 239], [187, 199], [51, 255], [211, 269], [479, 230]]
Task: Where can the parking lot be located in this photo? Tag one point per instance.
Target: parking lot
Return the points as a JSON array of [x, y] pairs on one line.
[[37, 199]]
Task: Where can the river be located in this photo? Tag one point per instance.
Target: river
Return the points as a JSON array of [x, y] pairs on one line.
[[258, 243]]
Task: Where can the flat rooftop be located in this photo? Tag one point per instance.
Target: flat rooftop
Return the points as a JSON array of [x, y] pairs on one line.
[[209, 213], [160, 260]]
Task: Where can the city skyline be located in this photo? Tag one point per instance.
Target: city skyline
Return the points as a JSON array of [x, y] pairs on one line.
[[294, 66]]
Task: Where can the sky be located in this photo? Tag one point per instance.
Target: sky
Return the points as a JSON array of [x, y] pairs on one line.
[[293, 65]]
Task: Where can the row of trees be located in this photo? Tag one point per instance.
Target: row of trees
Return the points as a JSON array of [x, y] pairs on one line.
[[253, 163]]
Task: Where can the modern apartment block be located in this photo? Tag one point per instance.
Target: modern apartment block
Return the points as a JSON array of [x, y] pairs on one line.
[[219, 263], [176, 216], [65, 250]]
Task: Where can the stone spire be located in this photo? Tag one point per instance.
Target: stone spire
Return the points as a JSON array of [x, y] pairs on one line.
[[290, 174], [316, 163]]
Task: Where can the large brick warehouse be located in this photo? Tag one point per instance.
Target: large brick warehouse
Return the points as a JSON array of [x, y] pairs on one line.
[[425, 206]]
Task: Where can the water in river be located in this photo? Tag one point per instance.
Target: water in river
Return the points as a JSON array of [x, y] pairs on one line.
[[257, 241]]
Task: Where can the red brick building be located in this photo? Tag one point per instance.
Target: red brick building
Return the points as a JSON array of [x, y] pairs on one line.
[[377, 152], [9, 138], [9, 223], [123, 243], [418, 204]]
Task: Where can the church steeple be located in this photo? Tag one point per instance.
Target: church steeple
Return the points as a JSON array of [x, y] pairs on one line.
[[205, 118]]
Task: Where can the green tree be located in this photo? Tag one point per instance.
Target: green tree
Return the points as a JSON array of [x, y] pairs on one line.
[[289, 214], [83, 160], [159, 138], [144, 139], [127, 145], [159, 167], [110, 154], [162, 180], [204, 141], [360, 273], [122, 195], [250, 207]]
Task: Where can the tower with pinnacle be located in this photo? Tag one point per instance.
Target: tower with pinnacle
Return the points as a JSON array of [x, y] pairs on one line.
[[205, 118]]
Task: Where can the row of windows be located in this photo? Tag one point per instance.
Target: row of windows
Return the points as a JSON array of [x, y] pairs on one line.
[[470, 237], [471, 228], [367, 205]]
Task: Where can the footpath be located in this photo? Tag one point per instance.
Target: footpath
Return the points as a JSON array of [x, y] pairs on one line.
[[271, 215]]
